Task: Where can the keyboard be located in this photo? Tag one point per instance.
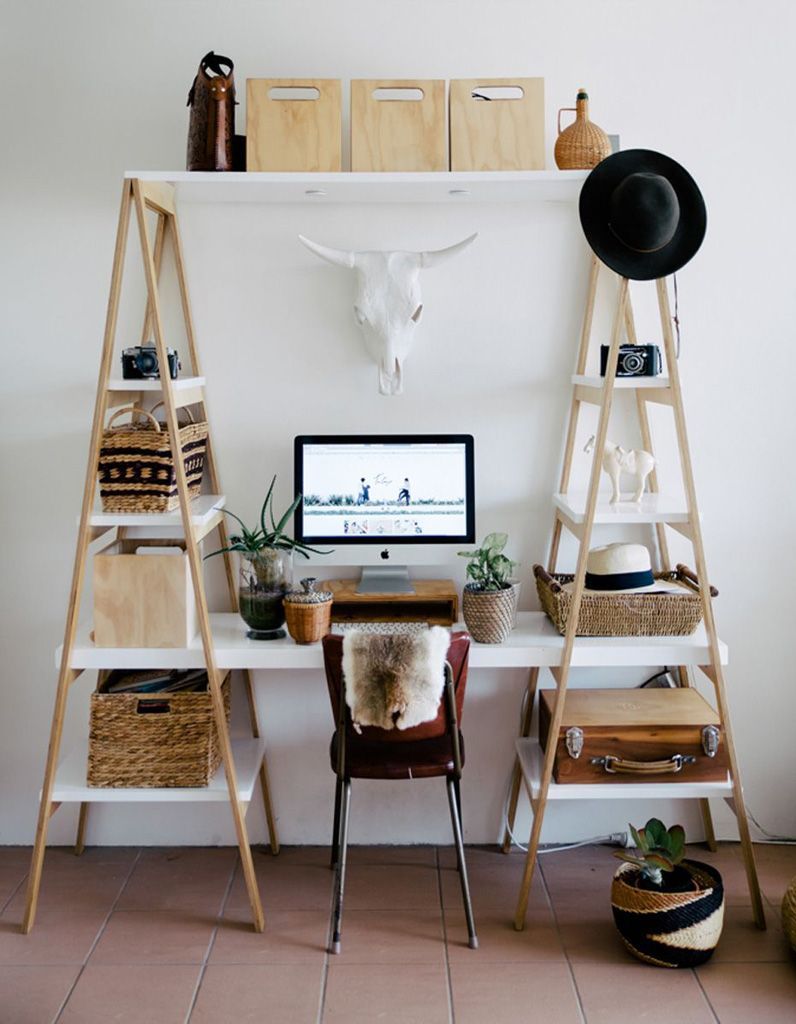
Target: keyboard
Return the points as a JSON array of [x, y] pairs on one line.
[[341, 628]]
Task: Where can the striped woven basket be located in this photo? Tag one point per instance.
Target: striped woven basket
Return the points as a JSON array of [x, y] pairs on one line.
[[670, 929], [155, 740], [136, 466]]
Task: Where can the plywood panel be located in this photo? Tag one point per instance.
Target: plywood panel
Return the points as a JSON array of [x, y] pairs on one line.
[[497, 134], [294, 134], [398, 134]]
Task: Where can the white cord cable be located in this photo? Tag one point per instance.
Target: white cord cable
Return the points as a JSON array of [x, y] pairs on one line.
[[769, 836]]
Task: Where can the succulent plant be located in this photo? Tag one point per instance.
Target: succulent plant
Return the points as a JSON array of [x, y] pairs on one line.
[[488, 568], [658, 849]]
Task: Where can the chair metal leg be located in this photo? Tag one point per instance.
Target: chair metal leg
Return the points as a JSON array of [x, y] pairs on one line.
[[337, 913], [457, 789], [457, 835], [338, 789]]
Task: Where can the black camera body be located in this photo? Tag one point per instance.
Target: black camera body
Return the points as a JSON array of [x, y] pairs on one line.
[[141, 363], [633, 361]]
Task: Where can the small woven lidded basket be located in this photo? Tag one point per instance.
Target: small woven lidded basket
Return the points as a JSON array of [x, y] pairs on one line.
[[670, 929], [136, 466], [308, 612], [583, 144], [153, 740], [489, 614], [628, 614]]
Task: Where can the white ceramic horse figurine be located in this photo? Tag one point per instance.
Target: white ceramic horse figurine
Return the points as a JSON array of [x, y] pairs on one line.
[[617, 460]]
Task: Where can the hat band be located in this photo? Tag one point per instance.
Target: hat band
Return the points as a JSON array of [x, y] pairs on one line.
[[619, 580]]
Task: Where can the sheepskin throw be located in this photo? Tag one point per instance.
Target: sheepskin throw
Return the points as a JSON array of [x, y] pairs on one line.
[[394, 680]]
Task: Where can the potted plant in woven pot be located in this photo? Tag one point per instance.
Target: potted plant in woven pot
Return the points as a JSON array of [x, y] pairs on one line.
[[489, 601], [265, 568], [669, 911]]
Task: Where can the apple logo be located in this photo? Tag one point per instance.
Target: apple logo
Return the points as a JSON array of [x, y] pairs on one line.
[[385, 554]]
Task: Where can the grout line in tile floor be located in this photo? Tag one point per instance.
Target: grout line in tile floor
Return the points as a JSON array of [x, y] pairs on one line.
[[13, 893], [451, 1013], [705, 996], [326, 954], [98, 936], [212, 941], [551, 905]]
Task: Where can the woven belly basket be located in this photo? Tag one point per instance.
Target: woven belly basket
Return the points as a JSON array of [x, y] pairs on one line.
[[136, 466]]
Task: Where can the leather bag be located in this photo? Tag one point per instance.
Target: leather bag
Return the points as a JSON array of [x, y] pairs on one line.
[[211, 128]]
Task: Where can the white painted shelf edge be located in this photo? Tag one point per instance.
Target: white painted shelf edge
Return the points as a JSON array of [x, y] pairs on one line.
[[180, 384], [621, 383], [203, 508], [71, 786], [531, 761], [534, 641], [653, 508]]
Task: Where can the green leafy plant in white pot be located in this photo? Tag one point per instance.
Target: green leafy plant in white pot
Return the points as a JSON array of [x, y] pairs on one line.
[[489, 601]]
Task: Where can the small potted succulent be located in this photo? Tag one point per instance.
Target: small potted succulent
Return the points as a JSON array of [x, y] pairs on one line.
[[669, 911], [490, 597], [265, 568]]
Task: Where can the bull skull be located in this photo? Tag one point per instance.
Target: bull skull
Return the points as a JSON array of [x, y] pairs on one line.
[[388, 304]]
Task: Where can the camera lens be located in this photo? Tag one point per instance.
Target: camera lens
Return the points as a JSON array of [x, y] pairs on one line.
[[632, 362], [147, 363]]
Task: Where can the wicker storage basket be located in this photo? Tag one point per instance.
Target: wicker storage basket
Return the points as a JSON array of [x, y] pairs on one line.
[[670, 929], [489, 615], [153, 740], [136, 468], [626, 614]]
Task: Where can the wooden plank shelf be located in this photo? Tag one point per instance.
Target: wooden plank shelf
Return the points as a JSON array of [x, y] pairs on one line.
[[533, 642], [71, 787], [531, 758], [371, 187]]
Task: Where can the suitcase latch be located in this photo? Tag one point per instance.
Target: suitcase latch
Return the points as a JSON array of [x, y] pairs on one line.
[[710, 740], [574, 741]]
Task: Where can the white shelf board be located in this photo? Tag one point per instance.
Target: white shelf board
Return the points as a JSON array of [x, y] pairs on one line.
[[531, 761], [71, 787], [621, 383], [364, 187], [203, 509], [180, 384], [653, 508], [534, 641]]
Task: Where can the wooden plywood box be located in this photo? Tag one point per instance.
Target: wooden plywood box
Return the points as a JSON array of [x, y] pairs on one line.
[[398, 125], [143, 600], [294, 124], [497, 134]]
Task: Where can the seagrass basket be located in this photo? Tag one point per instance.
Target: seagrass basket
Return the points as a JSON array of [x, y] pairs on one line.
[[489, 614], [628, 614], [136, 466], [670, 929], [153, 740]]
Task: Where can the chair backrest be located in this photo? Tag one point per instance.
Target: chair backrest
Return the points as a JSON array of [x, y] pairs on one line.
[[458, 654]]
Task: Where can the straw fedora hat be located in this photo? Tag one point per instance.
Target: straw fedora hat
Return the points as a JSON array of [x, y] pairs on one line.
[[642, 213], [620, 569]]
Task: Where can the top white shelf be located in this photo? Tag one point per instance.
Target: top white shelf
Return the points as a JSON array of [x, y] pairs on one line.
[[362, 187], [154, 384], [621, 383]]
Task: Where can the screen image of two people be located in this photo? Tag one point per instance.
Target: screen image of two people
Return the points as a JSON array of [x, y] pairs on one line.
[[364, 492]]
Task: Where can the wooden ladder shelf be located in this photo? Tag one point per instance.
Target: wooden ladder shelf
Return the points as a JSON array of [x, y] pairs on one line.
[[581, 522], [156, 197]]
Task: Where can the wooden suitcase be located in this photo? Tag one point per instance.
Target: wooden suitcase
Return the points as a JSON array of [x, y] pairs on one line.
[[627, 736]]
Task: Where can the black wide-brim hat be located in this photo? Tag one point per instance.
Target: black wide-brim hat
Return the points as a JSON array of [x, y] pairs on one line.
[[642, 213]]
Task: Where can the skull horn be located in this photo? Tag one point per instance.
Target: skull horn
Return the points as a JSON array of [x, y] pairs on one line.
[[342, 257], [434, 257]]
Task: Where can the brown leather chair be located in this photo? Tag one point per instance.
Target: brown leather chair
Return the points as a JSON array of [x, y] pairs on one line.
[[425, 751]]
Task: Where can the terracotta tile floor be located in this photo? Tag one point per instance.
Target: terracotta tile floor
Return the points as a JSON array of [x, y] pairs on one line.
[[159, 936]]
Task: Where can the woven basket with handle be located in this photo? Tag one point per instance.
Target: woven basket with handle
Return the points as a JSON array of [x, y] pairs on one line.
[[629, 614], [153, 740], [136, 466]]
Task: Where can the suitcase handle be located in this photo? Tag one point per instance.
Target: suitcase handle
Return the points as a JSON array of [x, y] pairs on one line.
[[620, 766]]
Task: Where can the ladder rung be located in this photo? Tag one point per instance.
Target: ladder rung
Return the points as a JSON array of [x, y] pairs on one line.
[[662, 396], [683, 528], [583, 393], [571, 525], [158, 196]]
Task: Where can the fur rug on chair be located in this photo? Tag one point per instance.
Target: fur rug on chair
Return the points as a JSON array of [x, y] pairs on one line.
[[394, 680]]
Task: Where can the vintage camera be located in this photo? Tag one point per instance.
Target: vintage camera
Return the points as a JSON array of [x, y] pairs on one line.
[[141, 363], [634, 360]]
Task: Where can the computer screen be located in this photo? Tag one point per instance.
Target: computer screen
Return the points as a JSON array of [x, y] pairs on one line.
[[376, 489]]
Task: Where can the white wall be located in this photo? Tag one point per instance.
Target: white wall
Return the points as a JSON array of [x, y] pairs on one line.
[[100, 87]]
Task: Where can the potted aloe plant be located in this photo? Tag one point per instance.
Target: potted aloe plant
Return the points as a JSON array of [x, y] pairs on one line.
[[490, 597], [669, 910], [265, 567]]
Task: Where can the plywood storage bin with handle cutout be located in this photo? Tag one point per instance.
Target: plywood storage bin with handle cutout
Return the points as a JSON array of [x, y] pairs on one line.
[[294, 124], [143, 595], [497, 124], [398, 125]]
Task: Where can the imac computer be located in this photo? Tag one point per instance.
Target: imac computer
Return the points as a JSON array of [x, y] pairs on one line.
[[384, 501]]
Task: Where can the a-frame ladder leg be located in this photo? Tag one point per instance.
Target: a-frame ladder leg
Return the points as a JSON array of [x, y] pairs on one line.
[[516, 777], [561, 674], [67, 675], [215, 678], [714, 670], [211, 469]]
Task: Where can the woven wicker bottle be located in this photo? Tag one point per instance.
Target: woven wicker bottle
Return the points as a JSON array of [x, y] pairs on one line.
[[582, 145]]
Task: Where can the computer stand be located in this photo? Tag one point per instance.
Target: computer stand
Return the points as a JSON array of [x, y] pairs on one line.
[[385, 579]]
